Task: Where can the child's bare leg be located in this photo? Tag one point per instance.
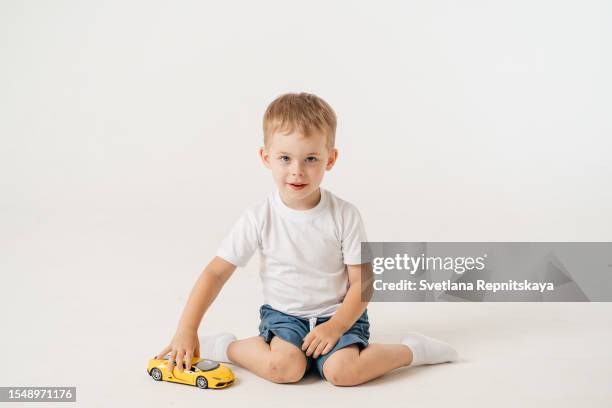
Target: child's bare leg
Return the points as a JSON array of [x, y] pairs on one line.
[[350, 366], [279, 361]]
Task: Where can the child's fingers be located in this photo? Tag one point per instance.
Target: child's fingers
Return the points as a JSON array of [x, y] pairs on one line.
[[319, 349], [197, 350], [187, 360], [306, 342], [313, 346], [165, 351], [171, 361], [180, 357], [327, 348]]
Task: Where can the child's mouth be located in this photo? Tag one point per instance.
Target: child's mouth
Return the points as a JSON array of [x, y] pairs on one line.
[[296, 186]]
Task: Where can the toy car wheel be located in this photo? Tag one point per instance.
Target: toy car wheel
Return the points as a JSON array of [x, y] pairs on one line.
[[201, 382], [156, 374]]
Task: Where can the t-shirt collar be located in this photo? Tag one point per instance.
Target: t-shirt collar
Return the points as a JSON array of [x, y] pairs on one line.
[[300, 214]]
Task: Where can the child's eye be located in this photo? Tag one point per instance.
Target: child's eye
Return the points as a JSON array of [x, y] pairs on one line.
[[311, 159], [284, 158]]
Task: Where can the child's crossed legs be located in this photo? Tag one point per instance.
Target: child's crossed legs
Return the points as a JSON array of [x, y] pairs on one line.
[[283, 362], [276, 353]]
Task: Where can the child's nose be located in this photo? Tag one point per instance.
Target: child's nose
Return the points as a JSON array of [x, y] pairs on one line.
[[297, 169]]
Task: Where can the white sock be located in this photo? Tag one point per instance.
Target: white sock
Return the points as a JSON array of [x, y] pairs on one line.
[[215, 347], [426, 350]]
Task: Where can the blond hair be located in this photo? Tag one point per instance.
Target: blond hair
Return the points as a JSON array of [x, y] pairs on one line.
[[302, 112]]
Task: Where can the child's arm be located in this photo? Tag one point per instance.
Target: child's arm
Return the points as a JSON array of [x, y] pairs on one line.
[[185, 343], [324, 337]]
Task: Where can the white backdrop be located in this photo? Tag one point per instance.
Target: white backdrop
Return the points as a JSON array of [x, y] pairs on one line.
[[130, 130]]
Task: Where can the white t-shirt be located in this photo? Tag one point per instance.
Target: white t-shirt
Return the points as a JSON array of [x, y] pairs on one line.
[[303, 253]]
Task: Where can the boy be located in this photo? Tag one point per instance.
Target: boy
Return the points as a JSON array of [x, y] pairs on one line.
[[311, 269]]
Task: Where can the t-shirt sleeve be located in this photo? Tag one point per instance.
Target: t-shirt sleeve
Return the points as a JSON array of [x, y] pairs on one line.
[[353, 234], [241, 242]]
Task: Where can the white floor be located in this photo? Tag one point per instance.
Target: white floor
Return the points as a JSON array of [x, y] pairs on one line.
[[536, 355], [87, 304]]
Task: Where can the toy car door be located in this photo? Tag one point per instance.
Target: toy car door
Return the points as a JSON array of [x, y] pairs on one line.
[[184, 376]]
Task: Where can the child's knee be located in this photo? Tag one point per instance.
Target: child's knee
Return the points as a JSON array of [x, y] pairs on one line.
[[341, 372], [282, 368]]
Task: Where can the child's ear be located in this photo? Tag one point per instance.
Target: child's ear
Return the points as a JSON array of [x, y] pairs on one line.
[[331, 160], [265, 157]]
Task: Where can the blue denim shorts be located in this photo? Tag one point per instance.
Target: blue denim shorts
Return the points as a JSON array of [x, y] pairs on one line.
[[293, 329]]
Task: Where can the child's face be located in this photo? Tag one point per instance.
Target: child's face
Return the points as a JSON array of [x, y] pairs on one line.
[[298, 164]]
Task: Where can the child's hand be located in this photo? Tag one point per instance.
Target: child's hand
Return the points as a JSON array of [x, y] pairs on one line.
[[322, 339], [184, 346]]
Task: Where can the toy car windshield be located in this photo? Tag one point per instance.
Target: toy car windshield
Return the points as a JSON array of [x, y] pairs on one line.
[[206, 365]]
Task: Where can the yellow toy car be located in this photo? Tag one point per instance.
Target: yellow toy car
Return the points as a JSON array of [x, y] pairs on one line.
[[203, 373]]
